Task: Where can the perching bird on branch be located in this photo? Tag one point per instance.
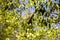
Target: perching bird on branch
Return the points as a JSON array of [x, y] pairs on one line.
[[29, 17]]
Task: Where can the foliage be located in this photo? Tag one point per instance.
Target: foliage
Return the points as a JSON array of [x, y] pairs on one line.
[[15, 27]]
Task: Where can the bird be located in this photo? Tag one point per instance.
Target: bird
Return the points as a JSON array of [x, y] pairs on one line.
[[29, 17]]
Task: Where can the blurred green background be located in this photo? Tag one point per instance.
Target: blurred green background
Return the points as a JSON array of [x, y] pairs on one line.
[[29, 19]]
